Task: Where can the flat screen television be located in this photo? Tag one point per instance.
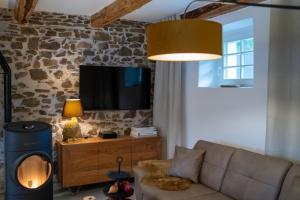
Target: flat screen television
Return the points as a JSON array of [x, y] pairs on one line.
[[115, 88]]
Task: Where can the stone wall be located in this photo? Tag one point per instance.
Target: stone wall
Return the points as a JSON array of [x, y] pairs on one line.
[[45, 55]]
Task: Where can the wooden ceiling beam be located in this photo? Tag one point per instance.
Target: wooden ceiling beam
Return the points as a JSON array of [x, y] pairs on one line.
[[24, 9], [115, 11], [216, 9]]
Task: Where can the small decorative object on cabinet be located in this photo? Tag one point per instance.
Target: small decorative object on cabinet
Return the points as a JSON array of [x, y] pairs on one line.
[[108, 135], [73, 109], [87, 161]]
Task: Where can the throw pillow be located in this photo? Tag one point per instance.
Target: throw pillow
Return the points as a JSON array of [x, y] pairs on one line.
[[187, 163], [294, 190]]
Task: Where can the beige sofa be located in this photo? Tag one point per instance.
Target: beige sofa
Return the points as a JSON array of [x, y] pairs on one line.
[[228, 173]]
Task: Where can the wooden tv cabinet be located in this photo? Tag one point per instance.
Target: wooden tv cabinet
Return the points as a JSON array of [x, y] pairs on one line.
[[87, 161]]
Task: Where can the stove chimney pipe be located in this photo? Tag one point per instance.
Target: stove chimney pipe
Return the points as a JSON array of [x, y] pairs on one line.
[[7, 88]]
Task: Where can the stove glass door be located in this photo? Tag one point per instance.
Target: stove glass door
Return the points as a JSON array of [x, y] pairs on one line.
[[34, 171]]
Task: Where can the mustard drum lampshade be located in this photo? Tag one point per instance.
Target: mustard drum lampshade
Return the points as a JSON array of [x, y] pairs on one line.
[[184, 40], [72, 108]]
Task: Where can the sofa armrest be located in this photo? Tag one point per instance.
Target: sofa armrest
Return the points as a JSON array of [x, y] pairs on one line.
[[149, 168], [139, 173]]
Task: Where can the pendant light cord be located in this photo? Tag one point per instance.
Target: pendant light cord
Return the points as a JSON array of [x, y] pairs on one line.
[[236, 2], [188, 6]]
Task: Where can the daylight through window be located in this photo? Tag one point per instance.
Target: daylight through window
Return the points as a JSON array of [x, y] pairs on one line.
[[238, 59]]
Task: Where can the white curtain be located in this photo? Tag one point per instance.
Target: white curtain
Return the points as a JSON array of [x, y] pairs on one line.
[[167, 105], [167, 108], [283, 134]]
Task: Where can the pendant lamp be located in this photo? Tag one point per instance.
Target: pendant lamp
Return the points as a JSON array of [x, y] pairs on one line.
[[184, 40], [192, 39]]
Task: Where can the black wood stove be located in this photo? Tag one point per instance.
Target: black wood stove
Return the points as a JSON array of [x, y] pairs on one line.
[[28, 161]]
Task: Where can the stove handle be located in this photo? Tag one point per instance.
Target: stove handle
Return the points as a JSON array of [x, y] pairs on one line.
[[28, 126]]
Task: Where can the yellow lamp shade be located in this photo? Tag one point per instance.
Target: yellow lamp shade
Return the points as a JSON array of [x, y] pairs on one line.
[[184, 40], [72, 108]]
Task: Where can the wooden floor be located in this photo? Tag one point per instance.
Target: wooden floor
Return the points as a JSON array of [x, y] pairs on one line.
[[91, 190], [95, 191], [65, 194]]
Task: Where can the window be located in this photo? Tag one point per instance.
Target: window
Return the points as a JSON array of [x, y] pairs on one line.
[[236, 68], [238, 59]]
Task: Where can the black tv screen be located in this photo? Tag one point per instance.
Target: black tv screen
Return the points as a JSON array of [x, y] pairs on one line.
[[115, 88]]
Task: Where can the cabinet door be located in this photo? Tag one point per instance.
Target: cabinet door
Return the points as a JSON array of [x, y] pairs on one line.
[[80, 165], [146, 149], [108, 153]]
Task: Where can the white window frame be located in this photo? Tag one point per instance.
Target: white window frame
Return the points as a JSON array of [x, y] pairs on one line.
[[237, 35], [239, 54], [210, 73]]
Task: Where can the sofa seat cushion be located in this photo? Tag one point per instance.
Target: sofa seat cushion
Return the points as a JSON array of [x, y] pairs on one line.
[[215, 163], [251, 176], [153, 193], [288, 182]]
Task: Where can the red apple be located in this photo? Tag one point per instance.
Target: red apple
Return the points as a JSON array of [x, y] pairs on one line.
[[126, 182], [127, 187]]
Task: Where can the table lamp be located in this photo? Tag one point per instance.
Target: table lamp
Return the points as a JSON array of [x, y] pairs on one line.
[[73, 109]]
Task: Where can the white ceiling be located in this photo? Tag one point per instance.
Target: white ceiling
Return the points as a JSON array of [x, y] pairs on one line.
[[153, 11]]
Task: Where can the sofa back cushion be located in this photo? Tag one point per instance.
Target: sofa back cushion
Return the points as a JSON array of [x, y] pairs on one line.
[[215, 162], [251, 176], [288, 182]]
